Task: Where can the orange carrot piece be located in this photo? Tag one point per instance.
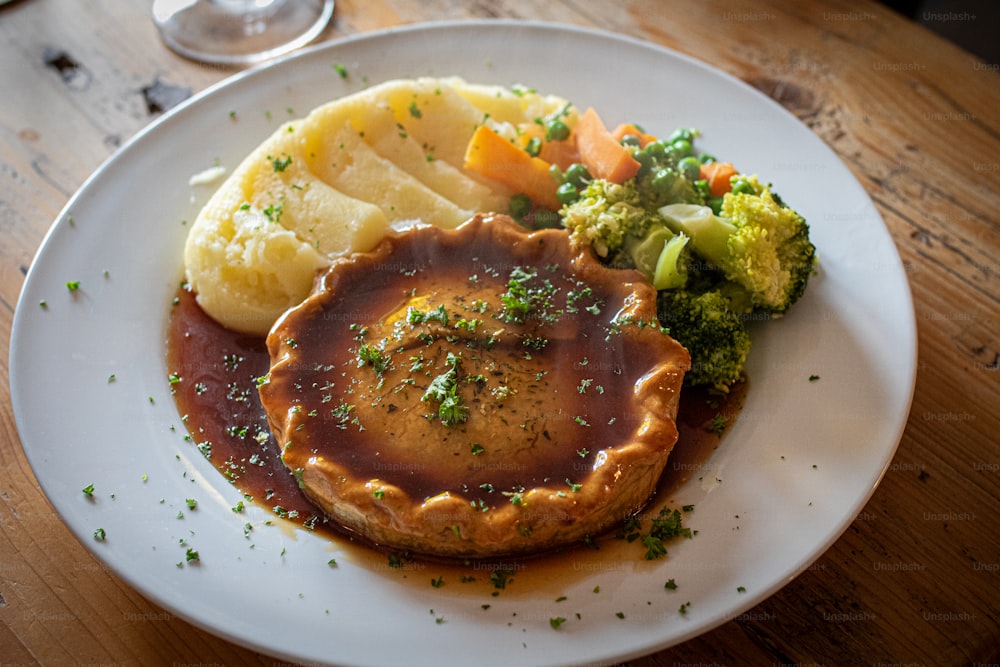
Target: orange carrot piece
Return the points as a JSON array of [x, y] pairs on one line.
[[626, 129], [603, 156], [560, 153], [529, 131], [493, 156], [718, 174]]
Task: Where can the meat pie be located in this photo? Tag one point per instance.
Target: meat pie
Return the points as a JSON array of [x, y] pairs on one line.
[[475, 392]]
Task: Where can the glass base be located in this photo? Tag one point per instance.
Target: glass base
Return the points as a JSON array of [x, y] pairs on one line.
[[239, 32]]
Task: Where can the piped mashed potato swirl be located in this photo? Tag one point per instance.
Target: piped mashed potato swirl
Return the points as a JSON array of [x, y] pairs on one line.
[[340, 179]]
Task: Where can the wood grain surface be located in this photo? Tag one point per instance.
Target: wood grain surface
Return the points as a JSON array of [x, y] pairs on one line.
[[915, 579]]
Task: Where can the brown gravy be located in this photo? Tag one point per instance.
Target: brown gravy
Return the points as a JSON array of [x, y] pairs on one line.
[[214, 373]]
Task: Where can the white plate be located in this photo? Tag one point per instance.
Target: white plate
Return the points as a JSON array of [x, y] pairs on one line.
[[791, 475]]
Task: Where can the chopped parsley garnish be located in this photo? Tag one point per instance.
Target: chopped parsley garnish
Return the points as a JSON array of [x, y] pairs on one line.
[[444, 390], [666, 526], [273, 213], [373, 356], [521, 298], [718, 424], [516, 496], [280, 164], [500, 577], [654, 547], [451, 411]]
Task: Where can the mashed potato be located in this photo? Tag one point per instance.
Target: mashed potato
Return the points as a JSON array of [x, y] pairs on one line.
[[336, 182]]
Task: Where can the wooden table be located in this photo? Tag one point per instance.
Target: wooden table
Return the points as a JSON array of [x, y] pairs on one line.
[[916, 577]]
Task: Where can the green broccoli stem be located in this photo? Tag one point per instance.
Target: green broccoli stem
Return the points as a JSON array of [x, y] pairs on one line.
[[671, 269], [708, 232], [658, 256]]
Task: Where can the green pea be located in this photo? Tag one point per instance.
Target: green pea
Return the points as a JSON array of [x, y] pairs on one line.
[[742, 186], [631, 140], [534, 146], [567, 193], [645, 160], [663, 180], [520, 206], [706, 158], [577, 174], [690, 167], [702, 188], [681, 133], [556, 130], [682, 148], [655, 149]]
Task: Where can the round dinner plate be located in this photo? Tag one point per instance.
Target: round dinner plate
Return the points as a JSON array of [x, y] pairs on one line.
[[830, 384]]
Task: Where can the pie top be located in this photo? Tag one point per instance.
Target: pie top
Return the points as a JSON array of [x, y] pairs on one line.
[[475, 392]]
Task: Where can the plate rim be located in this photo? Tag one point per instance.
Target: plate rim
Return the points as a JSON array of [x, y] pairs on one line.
[[430, 27]]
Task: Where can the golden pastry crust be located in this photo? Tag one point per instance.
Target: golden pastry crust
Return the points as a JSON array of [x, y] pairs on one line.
[[475, 392]]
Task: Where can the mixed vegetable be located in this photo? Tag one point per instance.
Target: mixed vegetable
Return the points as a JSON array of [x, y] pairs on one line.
[[720, 246]]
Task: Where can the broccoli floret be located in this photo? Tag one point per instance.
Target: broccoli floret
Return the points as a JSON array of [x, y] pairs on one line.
[[604, 214], [755, 242], [713, 260], [714, 335], [612, 219]]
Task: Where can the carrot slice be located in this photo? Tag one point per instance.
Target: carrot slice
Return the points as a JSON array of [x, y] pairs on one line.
[[561, 153], [493, 156], [528, 132], [603, 156], [718, 175]]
